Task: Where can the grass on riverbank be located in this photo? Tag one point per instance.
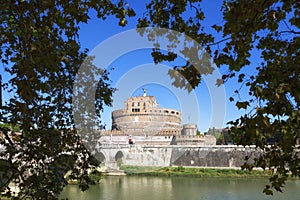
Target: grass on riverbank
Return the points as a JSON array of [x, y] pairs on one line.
[[193, 172], [94, 175]]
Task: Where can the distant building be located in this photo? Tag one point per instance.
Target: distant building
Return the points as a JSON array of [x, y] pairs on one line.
[[142, 115], [143, 121], [189, 129]]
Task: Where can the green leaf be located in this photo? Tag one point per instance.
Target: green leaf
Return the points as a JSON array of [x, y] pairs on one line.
[[217, 28], [268, 191], [242, 105]]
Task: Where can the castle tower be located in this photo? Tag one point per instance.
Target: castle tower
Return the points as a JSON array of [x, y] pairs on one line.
[[141, 115], [189, 129]]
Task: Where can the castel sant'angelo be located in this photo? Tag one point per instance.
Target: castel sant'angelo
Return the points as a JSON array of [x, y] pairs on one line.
[[144, 122]]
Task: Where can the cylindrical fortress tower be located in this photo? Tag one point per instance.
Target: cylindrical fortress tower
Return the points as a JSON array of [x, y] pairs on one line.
[[141, 115], [189, 129]]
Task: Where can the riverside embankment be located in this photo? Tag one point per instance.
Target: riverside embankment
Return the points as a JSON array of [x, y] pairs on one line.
[[193, 172], [216, 156]]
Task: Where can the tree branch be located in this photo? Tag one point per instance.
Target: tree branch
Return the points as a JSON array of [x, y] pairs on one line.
[[223, 40], [6, 136]]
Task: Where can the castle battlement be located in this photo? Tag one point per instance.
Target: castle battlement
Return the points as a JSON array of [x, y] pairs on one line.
[[195, 139]]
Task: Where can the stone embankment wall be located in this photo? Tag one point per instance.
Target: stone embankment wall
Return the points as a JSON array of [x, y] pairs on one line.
[[148, 157], [172, 155], [215, 156]]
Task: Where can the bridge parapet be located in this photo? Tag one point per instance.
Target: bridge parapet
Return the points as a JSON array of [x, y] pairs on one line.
[[114, 146]]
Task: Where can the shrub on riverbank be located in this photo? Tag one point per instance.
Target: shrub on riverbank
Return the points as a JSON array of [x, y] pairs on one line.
[[192, 172], [95, 175]]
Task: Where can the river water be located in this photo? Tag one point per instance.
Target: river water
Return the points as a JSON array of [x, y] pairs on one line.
[[179, 188]]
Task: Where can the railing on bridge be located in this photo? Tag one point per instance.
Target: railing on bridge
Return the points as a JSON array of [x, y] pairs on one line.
[[114, 146], [127, 146]]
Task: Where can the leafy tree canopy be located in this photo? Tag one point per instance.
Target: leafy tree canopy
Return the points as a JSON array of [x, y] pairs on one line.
[[40, 49], [270, 27]]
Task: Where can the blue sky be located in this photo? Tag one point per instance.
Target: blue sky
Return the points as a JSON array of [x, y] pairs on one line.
[[137, 68], [95, 32]]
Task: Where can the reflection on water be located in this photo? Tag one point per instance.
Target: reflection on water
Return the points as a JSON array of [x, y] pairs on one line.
[[178, 188]]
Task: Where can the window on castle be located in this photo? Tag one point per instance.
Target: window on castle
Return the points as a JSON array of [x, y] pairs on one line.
[[135, 110]]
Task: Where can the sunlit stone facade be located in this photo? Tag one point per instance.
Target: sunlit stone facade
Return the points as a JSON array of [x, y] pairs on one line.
[[143, 121], [142, 115]]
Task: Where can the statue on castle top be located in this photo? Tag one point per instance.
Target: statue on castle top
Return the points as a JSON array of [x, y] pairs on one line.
[[145, 91]]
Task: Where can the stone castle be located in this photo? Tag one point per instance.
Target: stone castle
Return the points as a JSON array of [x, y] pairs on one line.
[[143, 121]]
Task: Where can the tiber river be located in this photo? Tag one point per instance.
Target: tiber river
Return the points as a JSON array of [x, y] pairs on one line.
[[179, 188]]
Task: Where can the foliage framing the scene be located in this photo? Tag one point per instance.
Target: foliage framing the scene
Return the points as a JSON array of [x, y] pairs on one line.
[[40, 49], [270, 28]]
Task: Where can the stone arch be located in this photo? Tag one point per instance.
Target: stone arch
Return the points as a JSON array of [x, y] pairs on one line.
[[119, 155], [119, 158], [101, 158]]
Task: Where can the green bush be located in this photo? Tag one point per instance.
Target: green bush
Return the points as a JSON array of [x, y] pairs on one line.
[[95, 175]]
